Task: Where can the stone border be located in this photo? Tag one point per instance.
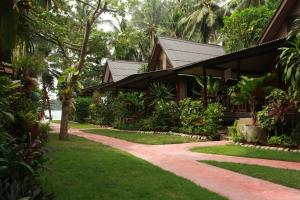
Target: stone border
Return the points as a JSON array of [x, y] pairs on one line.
[[200, 137], [268, 147]]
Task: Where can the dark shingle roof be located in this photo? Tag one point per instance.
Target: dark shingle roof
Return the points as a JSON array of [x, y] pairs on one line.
[[121, 69], [182, 52]]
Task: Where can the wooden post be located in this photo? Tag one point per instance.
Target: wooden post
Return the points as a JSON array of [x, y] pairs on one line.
[[205, 87]]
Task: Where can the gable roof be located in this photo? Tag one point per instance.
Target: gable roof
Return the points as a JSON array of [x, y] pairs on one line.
[[182, 52], [283, 10], [120, 69]]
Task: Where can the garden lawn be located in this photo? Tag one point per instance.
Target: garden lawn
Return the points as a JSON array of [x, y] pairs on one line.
[[82, 169], [289, 178], [77, 125], [236, 150], [142, 138]]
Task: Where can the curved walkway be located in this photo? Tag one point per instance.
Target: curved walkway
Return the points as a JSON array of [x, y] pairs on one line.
[[177, 159]]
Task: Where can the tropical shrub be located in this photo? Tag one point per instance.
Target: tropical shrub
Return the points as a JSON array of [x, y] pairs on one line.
[[212, 120], [101, 110], [128, 110], [247, 91], [191, 115], [160, 92], [235, 134], [44, 131], [82, 112], [265, 119], [165, 116], [21, 152], [289, 61], [282, 140]]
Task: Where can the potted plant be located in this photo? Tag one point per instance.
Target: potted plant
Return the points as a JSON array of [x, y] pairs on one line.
[[249, 90]]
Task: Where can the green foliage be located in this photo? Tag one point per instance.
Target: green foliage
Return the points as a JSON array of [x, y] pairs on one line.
[[207, 19], [212, 120], [165, 116], [265, 119], [21, 154], [282, 140], [191, 115], [101, 111], [44, 131], [82, 109], [235, 134], [289, 61], [128, 109], [213, 85], [244, 27], [160, 92], [247, 91]]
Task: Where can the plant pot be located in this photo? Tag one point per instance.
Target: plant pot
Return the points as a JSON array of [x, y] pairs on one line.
[[254, 134]]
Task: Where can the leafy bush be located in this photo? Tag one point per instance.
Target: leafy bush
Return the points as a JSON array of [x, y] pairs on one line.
[[212, 120], [191, 115], [128, 110], [282, 140], [82, 112], [160, 92], [165, 116], [235, 134], [21, 154], [265, 120], [44, 131], [101, 111]]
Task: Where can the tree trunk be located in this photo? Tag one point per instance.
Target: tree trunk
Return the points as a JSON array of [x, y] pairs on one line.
[[66, 110], [46, 101]]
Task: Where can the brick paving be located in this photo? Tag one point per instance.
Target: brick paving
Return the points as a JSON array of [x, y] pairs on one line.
[[177, 159]]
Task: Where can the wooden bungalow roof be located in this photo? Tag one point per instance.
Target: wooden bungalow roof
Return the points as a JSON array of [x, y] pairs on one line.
[[181, 52], [261, 55], [121, 69], [255, 60], [275, 24]]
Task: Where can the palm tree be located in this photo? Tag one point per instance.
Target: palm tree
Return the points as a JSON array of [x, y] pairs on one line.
[[149, 17], [289, 61], [206, 20]]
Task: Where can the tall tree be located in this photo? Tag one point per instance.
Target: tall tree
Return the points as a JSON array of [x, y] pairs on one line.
[[244, 27], [207, 20], [149, 16]]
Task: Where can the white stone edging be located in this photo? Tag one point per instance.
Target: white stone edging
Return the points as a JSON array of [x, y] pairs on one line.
[[268, 147]]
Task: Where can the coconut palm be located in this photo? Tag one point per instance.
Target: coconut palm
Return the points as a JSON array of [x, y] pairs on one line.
[[206, 20], [149, 17]]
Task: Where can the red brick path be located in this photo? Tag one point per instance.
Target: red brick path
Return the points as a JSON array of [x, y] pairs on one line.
[[177, 159]]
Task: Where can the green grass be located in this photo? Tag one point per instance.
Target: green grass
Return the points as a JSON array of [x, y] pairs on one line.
[[236, 150], [289, 178], [81, 169], [141, 137], [77, 125]]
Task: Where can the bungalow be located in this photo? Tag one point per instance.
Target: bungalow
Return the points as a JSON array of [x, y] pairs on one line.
[[178, 61], [167, 55], [116, 71]]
